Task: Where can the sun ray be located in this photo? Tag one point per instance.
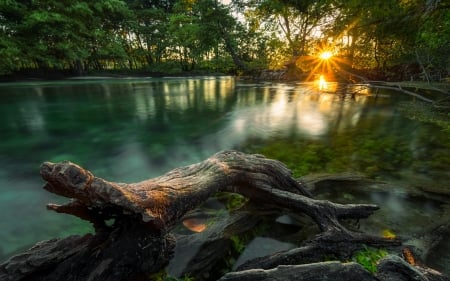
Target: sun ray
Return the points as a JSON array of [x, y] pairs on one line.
[[326, 55], [326, 64]]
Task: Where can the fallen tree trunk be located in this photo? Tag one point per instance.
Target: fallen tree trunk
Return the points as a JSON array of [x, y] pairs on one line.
[[162, 201], [399, 88], [138, 241]]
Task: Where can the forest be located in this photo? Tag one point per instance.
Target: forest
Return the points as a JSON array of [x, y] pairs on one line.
[[203, 176], [393, 39]]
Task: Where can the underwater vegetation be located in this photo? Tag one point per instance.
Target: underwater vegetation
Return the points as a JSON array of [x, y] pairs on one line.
[[369, 257]]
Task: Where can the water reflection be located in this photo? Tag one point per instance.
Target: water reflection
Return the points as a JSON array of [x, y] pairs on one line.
[[260, 247], [129, 130], [322, 83], [293, 110]]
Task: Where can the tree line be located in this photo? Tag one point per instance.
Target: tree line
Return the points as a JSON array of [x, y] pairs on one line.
[[171, 36]]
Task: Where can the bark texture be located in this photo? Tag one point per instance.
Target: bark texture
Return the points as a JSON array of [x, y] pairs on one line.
[[162, 201], [138, 241]]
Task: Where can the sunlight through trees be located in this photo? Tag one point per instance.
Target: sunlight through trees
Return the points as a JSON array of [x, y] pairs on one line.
[[240, 36]]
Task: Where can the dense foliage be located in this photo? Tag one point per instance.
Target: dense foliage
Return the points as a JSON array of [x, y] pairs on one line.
[[170, 36]]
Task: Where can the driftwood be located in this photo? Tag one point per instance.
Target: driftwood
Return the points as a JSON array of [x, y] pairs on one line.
[[162, 201], [312, 272], [389, 268], [398, 87], [133, 222], [395, 268]]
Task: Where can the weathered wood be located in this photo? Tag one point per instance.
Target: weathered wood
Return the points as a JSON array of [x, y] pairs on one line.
[[395, 268], [390, 268], [129, 251], [138, 242], [42, 257], [400, 89], [331, 244], [315, 181], [332, 270], [197, 254], [162, 201]]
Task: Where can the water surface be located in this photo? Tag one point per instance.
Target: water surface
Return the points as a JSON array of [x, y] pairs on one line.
[[128, 130]]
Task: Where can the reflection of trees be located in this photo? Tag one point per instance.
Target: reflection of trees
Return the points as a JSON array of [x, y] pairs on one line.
[[93, 121], [360, 133], [184, 109], [181, 118], [300, 110]]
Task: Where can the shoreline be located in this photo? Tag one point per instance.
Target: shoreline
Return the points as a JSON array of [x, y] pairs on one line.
[[29, 76]]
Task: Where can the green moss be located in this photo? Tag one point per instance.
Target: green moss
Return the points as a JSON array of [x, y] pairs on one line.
[[302, 157], [232, 201], [368, 152], [239, 243], [369, 257]]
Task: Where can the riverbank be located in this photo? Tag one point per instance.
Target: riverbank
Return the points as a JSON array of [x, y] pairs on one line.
[[51, 75], [288, 73]]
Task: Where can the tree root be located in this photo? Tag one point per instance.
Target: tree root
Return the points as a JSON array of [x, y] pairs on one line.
[[139, 242]]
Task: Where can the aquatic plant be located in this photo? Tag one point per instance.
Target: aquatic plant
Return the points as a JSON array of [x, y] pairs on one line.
[[425, 112], [163, 276], [239, 244], [233, 201], [312, 157], [369, 257], [372, 153]]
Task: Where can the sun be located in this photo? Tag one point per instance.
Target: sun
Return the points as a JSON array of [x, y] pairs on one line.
[[326, 55], [325, 62]]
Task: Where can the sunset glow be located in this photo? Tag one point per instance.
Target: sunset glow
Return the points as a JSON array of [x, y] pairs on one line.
[[322, 83], [326, 55], [326, 62]]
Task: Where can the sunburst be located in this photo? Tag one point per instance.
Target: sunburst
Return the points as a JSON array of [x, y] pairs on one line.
[[326, 55], [326, 64]]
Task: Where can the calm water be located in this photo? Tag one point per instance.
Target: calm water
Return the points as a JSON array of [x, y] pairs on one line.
[[131, 129]]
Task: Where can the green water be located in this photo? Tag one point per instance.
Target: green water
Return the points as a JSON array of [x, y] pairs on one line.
[[128, 130]]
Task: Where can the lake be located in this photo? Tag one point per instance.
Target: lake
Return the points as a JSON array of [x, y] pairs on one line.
[[128, 130]]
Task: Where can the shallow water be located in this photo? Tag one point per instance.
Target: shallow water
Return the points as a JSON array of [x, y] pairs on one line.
[[128, 130]]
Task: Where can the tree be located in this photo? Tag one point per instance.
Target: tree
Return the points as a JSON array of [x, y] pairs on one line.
[[150, 29], [10, 17], [201, 27], [381, 34], [431, 46], [298, 21], [109, 42], [81, 35], [62, 35]]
